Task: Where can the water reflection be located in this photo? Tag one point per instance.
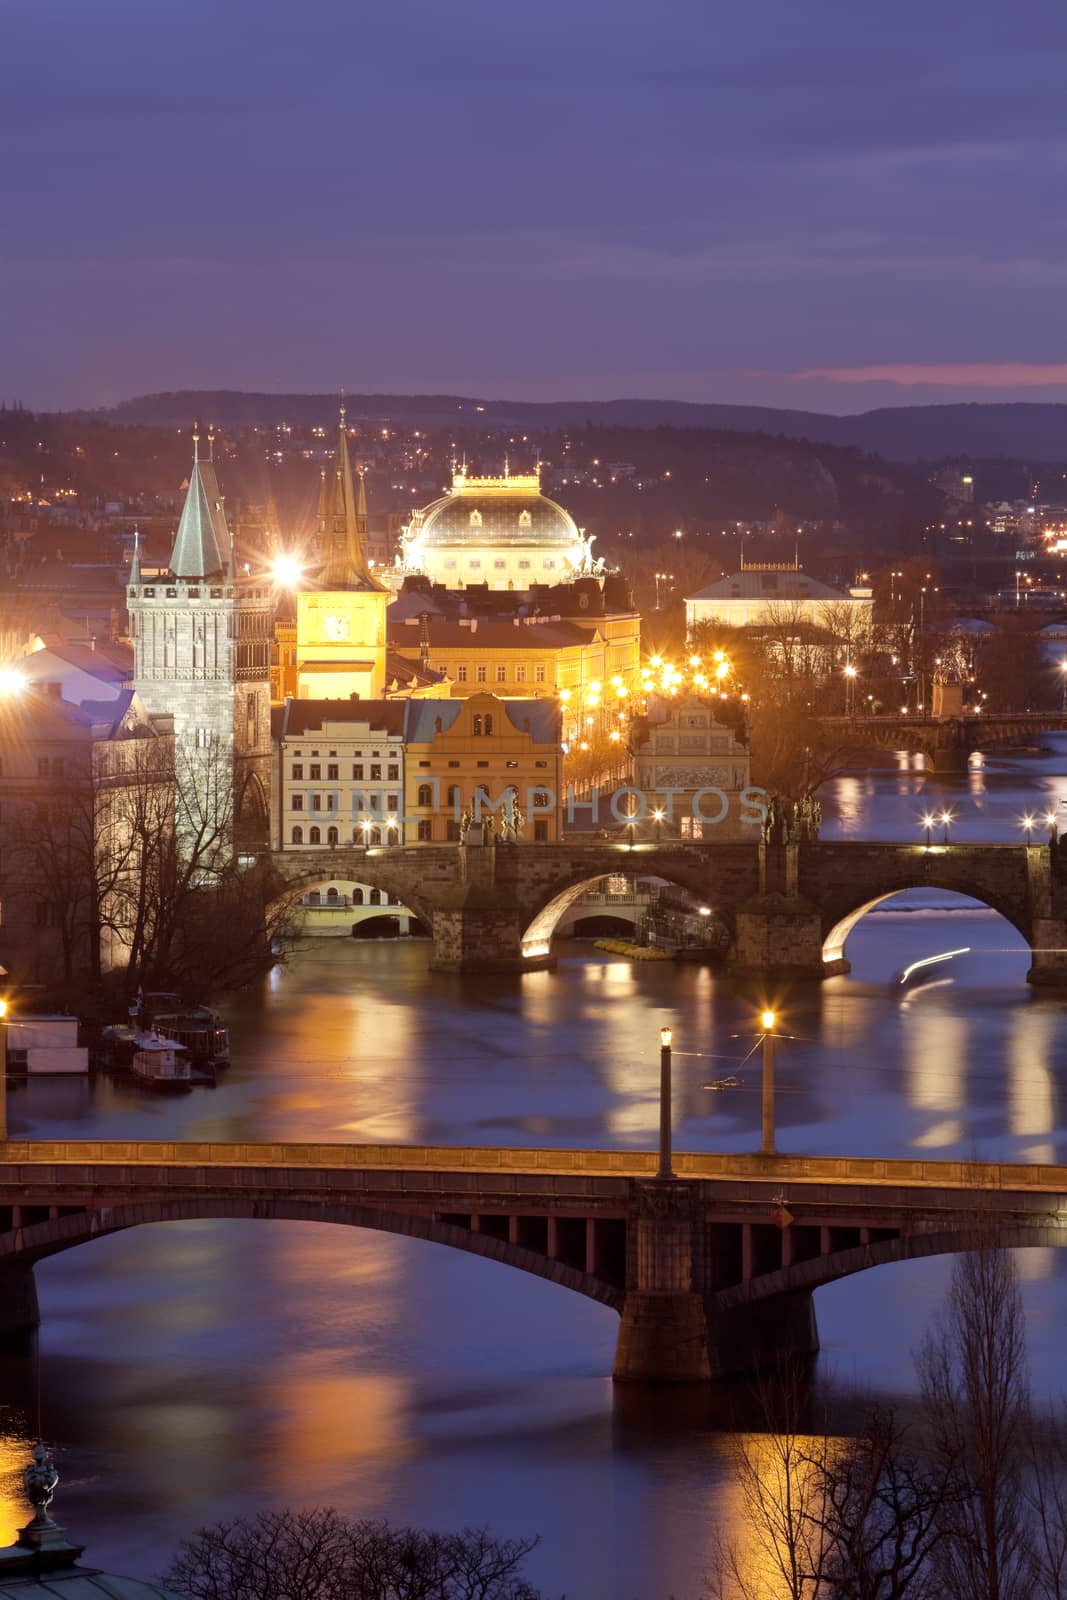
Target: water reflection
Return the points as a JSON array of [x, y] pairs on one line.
[[201, 1369]]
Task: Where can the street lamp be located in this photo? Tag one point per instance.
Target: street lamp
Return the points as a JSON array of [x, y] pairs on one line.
[[666, 1169], [767, 1020], [286, 571], [12, 680], [1028, 823], [927, 823], [945, 818], [657, 817], [850, 690], [3, 1067]]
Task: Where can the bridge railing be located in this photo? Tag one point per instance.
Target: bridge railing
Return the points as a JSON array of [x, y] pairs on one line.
[[852, 1170]]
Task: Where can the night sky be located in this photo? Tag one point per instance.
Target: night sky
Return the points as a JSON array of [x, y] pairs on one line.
[[822, 204]]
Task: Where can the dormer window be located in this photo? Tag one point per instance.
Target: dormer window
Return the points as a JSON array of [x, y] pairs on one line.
[[525, 519], [476, 519]]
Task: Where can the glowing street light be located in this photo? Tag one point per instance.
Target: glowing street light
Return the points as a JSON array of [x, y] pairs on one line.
[[12, 680], [666, 1169], [657, 817], [287, 571], [927, 822], [1028, 823], [945, 818], [767, 1021]]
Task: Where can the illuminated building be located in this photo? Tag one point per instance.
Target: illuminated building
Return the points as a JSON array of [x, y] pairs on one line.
[[502, 532], [764, 594], [340, 623], [685, 752], [201, 652], [459, 749], [338, 773]]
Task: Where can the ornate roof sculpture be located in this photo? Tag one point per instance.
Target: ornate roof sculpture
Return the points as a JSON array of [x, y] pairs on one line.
[[43, 1564]]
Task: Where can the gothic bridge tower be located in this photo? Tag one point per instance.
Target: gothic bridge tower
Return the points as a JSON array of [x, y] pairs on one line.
[[201, 642]]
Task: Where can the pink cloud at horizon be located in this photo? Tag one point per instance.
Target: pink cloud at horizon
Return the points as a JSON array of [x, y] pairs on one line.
[[978, 374]]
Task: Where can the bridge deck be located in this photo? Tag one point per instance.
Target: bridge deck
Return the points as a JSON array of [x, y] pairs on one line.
[[24, 1161]]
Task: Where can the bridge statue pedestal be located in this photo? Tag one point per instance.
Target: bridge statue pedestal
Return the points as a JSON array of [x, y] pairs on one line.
[[779, 935], [663, 1336], [19, 1312]]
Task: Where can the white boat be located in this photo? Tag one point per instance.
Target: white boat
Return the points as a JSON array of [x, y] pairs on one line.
[[161, 1063]]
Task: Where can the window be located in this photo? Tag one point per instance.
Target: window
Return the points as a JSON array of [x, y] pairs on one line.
[[453, 794], [450, 565], [298, 835], [393, 802], [357, 772], [425, 831], [482, 674], [331, 802], [315, 836], [316, 771], [539, 672], [331, 893], [452, 830], [376, 897], [375, 771], [483, 763], [331, 836], [42, 766], [316, 802], [524, 566], [510, 764], [357, 896], [540, 830], [453, 763], [298, 769], [476, 519], [461, 674], [477, 727], [501, 674], [520, 673], [333, 771], [525, 519], [296, 802], [499, 565], [548, 562], [540, 797], [540, 763], [425, 795], [392, 772], [474, 564], [424, 764]]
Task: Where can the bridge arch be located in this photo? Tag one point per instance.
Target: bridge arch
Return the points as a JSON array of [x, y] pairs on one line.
[[839, 924], [807, 1276], [566, 891], [38, 1241], [366, 872]]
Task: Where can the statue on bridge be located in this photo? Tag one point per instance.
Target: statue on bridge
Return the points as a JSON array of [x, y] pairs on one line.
[[465, 821], [792, 822], [512, 825]]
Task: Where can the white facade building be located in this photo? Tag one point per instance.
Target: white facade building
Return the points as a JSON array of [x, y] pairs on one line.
[[338, 773], [762, 595]]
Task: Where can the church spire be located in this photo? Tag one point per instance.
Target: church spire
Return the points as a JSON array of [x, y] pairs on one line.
[[202, 544], [343, 524]]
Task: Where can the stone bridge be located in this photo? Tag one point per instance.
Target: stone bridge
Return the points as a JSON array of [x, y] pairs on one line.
[[947, 742], [711, 1272], [788, 908]]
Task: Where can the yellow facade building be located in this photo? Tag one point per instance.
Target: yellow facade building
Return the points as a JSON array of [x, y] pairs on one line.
[[340, 646], [463, 756]]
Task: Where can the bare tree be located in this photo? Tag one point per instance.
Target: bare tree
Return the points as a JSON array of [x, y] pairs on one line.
[[320, 1555], [973, 1371]]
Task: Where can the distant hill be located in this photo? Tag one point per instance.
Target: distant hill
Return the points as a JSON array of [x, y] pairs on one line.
[[1023, 431]]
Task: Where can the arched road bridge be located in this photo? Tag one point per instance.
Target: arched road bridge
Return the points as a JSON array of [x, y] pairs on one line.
[[788, 909], [711, 1271], [946, 742]]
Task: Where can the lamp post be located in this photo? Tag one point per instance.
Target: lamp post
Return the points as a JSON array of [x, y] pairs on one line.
[[850, 690], [928, 824], [666, 1169], [767, 1145], [657, 817], [945, 818], [3, 1067]]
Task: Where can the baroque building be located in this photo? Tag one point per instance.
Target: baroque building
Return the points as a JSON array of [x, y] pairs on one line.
[[201, 643], [502, 532]]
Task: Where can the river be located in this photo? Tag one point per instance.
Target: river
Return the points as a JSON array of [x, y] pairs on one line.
[[198, 1370]]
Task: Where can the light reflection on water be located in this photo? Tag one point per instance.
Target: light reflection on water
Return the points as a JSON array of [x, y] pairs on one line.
[[195, 1370]]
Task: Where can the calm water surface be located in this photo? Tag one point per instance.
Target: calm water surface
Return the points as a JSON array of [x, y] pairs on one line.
[[195, 1370]]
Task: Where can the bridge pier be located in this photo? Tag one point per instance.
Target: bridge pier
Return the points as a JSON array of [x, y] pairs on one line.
[[1048, 948], [747, 1339], [663, 1335], [19, 1311], [778, 935]]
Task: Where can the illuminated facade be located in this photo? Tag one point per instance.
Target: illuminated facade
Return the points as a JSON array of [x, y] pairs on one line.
[[498, 531], [340, 624], [201, 653], [458, 750]]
